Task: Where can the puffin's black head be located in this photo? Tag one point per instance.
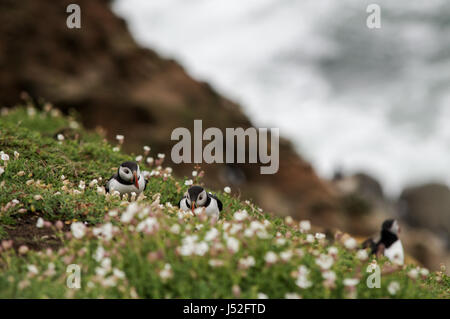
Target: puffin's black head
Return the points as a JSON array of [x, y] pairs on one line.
[[129, 171], [196, 196], [391, 225]]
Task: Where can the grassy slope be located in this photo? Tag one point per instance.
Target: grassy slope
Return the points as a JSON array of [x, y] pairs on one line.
[[212, 271]]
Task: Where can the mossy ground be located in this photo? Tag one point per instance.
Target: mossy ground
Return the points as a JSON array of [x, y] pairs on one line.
[[155, 261]]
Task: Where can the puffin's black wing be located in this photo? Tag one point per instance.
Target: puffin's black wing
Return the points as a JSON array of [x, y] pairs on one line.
[[219, 203], [145, 185], [107, 183], [370, 243], [179, 202]]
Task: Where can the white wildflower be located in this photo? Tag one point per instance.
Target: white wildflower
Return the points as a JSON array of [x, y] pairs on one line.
[[60, 137], [118, 273], [305, 226], [232, 244], [262, 296], [247, 262], [227, 189], [362, 254], [320, 236], [424, 272], [78, 229], [333, 251], [166, 272], [189, 182], [32, 269], [286, 255], [211, 234], [99, 253], [149, 224], [292, 295], [40, 223], [350, 282], [302, 278], [310, 238], [93, 183], [240, 215], [175, 229], [271, 257], [393, 287], [139, 158], [350, 243], [325, 261], [413, 273], [194, 173]]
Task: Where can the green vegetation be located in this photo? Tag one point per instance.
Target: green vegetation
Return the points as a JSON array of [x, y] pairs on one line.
[[147, 248]]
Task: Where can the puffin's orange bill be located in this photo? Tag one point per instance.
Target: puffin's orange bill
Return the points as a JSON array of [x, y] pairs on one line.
[[136, 181]]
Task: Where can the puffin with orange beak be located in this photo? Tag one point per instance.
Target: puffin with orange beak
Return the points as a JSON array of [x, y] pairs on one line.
[[388, 242], [197, 197], [127, 180]]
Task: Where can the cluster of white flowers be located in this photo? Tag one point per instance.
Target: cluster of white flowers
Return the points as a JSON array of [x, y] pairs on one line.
[[191, 246], [325, 261], [166, 273], [350, 243], [303, 277], [305, 226], [393, 287], [78, 229], [362, 254], [271, 257], [240, 215], [104, 231], [246, 262]]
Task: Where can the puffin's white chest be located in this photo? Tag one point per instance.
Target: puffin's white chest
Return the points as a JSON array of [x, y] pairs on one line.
[[211, 210], [395, 252], [115, 185]]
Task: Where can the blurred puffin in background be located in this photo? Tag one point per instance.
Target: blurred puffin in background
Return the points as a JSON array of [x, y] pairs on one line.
[[388, 244]]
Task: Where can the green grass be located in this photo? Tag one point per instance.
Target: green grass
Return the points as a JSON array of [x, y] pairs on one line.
[[134, 261]]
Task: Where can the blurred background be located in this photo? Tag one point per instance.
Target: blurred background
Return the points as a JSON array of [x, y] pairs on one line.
[[362, 111]]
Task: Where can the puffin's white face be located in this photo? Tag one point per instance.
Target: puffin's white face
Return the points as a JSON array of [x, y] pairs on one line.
[[199, 201], [128, 175], [395, 227]]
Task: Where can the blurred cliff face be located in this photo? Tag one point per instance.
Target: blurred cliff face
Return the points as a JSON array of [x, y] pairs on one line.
[[102, 73]]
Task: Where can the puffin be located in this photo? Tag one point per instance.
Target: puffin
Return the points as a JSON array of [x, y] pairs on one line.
[[197, 197], [127, 180], [388, 244]]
